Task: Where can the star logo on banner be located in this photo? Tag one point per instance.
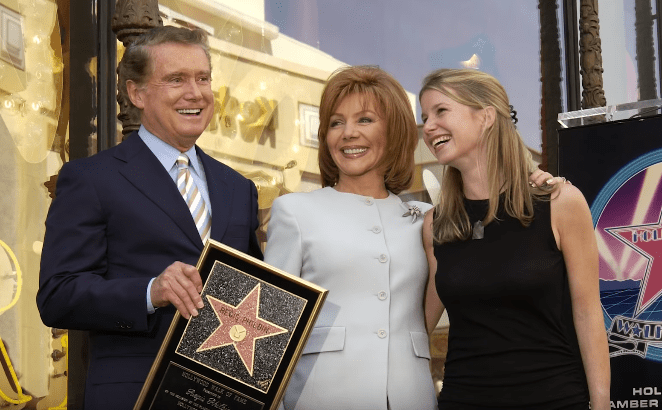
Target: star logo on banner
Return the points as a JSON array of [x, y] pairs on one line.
[[646, 240], [240, 326]]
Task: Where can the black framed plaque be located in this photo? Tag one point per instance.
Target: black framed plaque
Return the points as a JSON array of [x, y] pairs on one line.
[[241, 349]]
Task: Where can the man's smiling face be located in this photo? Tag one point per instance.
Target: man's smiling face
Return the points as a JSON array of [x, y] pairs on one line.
[[176, 101]]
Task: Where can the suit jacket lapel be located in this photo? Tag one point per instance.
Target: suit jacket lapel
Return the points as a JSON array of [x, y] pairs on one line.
[[146, 173], [220, 195]]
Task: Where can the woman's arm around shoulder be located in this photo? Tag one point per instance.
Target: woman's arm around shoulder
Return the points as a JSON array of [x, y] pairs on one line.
[[433, 306], [284, 250], [575, 236]]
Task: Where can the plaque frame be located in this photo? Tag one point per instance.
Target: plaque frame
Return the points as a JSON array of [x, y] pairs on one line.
[[224, 376]]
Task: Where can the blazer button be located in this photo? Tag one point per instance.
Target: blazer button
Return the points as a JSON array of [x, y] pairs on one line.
[[382, 295], [381, 333], [383, 258], [376, 229]]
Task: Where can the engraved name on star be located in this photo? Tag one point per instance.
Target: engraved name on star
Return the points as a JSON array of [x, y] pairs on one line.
[[240, 326], [646, 240]]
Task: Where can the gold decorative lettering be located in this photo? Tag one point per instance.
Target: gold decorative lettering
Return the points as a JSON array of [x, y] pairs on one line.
[[257, 120]]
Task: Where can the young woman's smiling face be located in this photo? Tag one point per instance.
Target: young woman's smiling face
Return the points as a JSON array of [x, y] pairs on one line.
[[452, 130], [357, 138]]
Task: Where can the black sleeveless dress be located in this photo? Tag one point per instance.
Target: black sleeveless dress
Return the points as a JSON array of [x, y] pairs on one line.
[[512, 342]]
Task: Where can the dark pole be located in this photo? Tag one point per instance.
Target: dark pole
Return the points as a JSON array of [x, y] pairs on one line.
[[92, 98], [550, 67], [83, 90], [107, 79], [92, 112], [571, 35], [82, 114]]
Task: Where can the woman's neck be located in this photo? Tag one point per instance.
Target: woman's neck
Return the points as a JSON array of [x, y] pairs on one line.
[[475, 183], [373, 187], [473, 168]]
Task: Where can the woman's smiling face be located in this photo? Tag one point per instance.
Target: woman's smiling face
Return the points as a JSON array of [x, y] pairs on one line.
[[357, 138], [452, 130]]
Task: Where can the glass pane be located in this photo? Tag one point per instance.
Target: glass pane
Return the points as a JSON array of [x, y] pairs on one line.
[[33, 135], [619, 51], [501, 38], [628, 34]]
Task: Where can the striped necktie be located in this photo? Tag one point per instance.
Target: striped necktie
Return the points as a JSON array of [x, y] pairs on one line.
[[191, 194]]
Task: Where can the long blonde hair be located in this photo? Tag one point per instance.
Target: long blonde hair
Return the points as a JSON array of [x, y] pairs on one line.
[[509, 161]]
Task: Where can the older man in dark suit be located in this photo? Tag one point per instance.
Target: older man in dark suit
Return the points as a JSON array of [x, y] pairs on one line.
[[128, 224]]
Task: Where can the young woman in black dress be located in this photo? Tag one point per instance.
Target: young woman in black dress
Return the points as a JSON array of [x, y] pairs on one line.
[[516, 266]]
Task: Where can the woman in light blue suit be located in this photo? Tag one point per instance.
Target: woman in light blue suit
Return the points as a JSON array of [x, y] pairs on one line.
[[355, 237]]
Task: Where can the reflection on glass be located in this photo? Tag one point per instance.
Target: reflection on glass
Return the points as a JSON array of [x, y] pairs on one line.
[[30, 101]]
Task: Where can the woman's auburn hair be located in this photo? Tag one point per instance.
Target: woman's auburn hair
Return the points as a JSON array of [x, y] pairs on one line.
[[387, 95], [509, 161]]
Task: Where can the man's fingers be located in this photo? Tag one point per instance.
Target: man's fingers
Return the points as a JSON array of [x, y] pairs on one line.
[[188, 291], [181, 308], [192, 273], [182, 302], [179, 284]]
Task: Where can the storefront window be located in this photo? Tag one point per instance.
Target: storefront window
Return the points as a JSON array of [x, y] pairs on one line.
[[33, 140]]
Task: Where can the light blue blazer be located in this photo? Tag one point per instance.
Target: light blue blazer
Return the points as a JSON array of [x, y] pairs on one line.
[[369, 344]]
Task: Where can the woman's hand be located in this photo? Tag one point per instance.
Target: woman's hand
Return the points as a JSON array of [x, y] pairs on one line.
[[540, 178]]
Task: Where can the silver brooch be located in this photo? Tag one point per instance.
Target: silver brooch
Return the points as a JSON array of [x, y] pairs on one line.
[[414, 212]]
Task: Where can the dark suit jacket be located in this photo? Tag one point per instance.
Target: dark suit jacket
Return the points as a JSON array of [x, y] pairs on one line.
[[117, 221]]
